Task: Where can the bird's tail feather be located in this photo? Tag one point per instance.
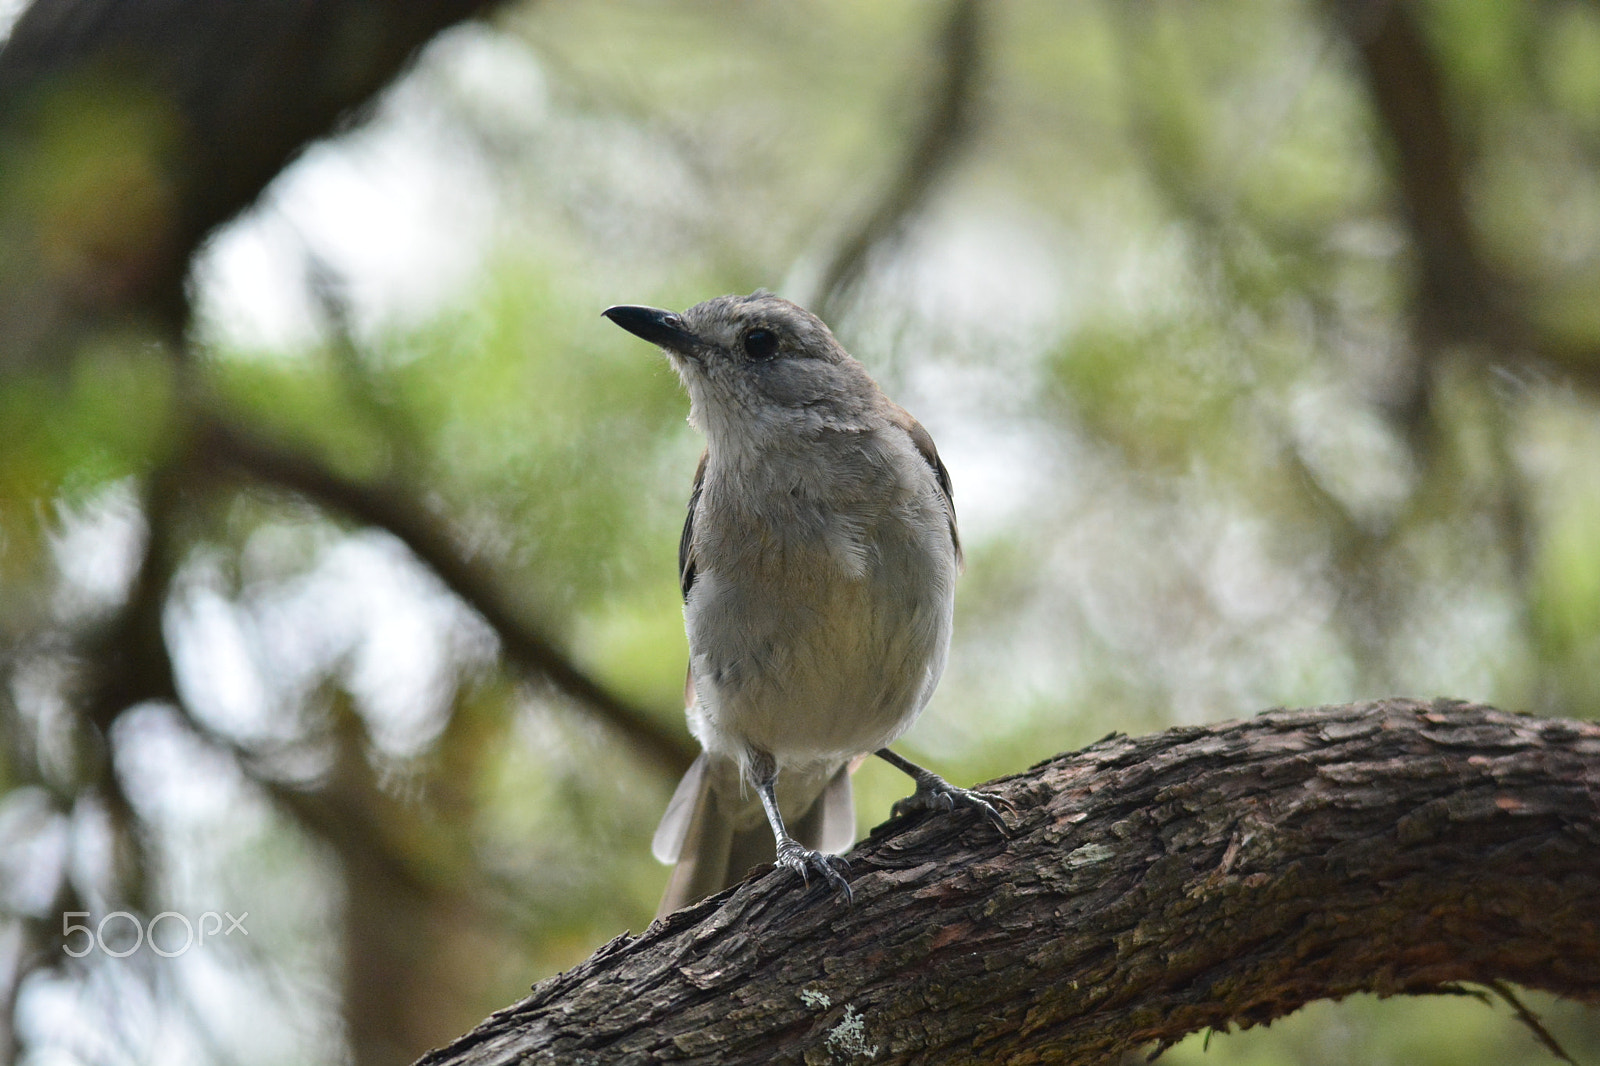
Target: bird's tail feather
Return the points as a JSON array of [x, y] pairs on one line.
[[709, 834]]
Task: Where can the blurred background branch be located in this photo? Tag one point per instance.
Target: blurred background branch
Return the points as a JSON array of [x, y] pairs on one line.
[[200, 106], [952, 100], [231, 446]]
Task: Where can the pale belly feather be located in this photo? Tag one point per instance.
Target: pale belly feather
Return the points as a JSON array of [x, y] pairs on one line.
[[843, 666]]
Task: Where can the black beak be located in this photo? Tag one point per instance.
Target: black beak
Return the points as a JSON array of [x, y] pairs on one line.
[[654, 325]]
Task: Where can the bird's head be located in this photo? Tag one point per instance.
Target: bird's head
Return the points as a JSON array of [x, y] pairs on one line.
[[756, 364]]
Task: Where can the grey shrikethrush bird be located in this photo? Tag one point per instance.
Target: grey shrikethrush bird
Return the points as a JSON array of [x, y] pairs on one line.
[[818, 566]]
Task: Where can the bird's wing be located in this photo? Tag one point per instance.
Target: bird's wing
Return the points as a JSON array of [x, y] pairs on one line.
[[687, 566], [923, 440]]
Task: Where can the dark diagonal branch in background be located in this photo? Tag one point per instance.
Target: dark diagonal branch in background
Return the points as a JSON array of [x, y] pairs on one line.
[[931, 152], [1459, 299], [229, 445], [1461, 306], [174, 115], [1456, 299]]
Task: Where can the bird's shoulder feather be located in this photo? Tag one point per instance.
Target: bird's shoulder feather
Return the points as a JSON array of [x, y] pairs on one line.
[[687, 566], [922, 440]]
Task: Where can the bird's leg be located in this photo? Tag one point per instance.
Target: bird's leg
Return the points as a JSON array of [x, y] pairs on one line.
[[792, 854], [934, 793]]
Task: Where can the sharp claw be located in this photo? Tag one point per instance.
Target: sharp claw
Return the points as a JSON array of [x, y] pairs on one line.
[[947, 797], [1000, 801], [831, 868], [993, 815]]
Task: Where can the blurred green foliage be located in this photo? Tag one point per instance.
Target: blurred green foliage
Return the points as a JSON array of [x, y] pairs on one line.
[[1159, 314]]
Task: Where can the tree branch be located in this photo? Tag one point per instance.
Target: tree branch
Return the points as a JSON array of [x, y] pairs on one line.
[[230, 445], [129, 129], [1460, 299], [1456, 297], [1200, 877], [944, 127]]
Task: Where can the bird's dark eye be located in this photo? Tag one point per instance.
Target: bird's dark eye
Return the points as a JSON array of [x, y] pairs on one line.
[[761, 344]]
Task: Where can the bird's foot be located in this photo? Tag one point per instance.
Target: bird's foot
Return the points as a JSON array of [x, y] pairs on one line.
[[934, 793], [805, 862]]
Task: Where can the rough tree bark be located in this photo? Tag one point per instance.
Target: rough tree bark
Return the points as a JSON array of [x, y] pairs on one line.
[[1200, 877]]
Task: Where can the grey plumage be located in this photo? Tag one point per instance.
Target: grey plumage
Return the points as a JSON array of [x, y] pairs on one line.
[[818, 564]]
